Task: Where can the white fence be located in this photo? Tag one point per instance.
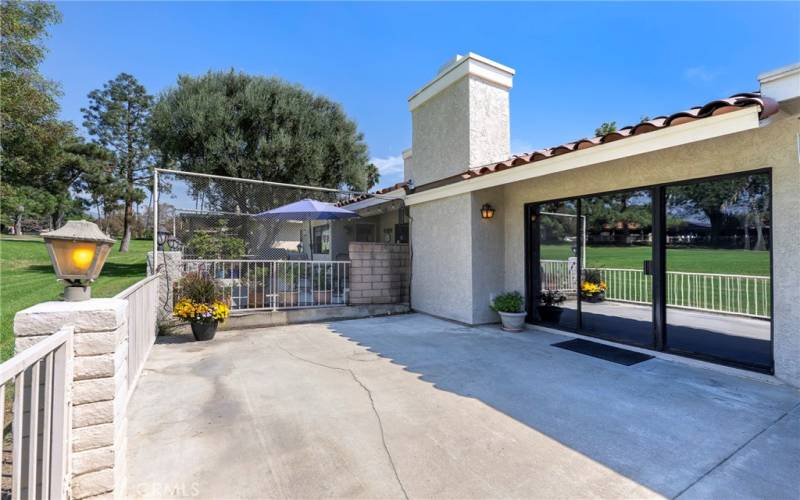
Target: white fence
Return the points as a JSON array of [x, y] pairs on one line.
[[41, 377], [277, 284], [142, 300], [722, 293]]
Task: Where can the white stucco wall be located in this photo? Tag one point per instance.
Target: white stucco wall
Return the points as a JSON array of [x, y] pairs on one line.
[[440, 134], [490, 123], [465, 125], [441, 238], [488, 254]]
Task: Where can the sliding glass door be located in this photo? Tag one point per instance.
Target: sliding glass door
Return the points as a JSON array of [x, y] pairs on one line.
[[718, 292], [616, 288], [683, 268]]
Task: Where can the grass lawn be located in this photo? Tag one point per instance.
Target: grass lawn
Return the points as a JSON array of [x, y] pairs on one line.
[[693, 260], [27, 278]]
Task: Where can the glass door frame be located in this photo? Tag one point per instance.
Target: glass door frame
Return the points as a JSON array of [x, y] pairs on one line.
[[659, 265]]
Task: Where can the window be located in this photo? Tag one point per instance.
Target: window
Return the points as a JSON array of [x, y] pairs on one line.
[[322, 239], [365, 233]]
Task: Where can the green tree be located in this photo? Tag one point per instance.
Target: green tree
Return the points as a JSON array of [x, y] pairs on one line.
[[373, 176], [239, 125], [117, 118], [31, 136], [605, 128], [711, 199]]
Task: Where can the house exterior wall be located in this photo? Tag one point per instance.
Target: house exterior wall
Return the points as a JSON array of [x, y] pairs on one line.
[[441, 238], [488, 255], [774, 146], [440, 134], [465, 125]]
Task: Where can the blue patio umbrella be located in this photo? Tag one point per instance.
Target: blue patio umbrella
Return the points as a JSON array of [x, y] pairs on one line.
[[309, 210]]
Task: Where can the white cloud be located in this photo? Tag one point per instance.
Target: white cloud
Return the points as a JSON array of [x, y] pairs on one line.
[[390, 165], [699, 74], [390, 168]]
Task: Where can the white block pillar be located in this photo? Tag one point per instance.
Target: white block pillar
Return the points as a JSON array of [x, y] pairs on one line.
[[99, 389]]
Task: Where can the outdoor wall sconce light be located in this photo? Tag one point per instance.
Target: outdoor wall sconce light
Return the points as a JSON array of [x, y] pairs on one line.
[[78, 251], [487, 211]]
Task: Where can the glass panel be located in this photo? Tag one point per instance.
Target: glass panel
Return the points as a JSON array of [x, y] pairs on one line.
[[718, 269], [558, 262], [616, 293]]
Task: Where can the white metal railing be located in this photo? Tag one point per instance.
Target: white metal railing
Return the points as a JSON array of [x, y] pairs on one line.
[[745, 295], [40, 376], [142, 300], [277, 284], [559, 275]]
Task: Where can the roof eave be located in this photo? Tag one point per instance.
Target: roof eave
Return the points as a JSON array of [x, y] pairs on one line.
[[699, 130]]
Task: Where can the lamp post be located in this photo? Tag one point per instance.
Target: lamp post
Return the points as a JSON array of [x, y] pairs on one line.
[[78, 251]]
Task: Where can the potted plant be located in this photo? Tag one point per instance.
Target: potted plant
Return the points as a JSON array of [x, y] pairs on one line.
[[509, 306], [593, 288], [550, 309], [200, 304], [258, 281], [322, 286], [288, 284]]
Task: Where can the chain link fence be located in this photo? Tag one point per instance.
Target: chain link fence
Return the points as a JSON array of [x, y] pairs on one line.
[[268, 245]]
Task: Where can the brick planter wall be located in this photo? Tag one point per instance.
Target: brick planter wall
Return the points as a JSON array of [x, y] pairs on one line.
[[378, 273]]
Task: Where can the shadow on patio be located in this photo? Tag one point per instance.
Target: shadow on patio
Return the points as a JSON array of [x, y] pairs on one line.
[[669, 427]]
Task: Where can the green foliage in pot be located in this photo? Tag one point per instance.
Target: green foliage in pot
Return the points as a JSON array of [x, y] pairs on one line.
[[509, 302], [552, 298], [199, 288]]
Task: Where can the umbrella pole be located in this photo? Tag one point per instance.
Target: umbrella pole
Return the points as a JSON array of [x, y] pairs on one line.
[[310, 242]]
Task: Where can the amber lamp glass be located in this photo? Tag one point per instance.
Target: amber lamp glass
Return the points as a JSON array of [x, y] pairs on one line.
[[78, 251], [487, 211]]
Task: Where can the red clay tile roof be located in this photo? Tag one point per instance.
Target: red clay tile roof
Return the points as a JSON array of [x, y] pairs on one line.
[[767, 107], [364, 196]]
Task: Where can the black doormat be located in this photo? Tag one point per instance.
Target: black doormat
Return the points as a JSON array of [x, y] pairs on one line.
[[602, 351]]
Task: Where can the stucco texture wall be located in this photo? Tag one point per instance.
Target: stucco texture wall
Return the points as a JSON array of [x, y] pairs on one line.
[[440, 134], [488, 271], [774, 146], [441, 257], [490, 123]]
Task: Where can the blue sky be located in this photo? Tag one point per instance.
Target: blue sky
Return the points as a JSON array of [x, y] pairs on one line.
[[577, 64]]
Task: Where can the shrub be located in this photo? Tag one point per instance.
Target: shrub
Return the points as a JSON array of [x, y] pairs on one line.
[[199, 288], [509, 302], [212, 246]]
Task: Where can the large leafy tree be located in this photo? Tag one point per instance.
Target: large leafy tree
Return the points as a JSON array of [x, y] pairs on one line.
[[117, 118], [239, 125], [31, 137]]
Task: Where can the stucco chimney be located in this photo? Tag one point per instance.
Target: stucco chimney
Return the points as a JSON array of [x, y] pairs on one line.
[[782, 84], [461, 119]]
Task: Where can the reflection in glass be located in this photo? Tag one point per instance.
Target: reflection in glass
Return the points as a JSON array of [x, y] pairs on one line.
[[558, 240], [718, 269], [616, 293]]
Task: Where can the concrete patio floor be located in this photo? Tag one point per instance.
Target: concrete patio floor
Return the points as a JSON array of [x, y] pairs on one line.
[[411, 406]]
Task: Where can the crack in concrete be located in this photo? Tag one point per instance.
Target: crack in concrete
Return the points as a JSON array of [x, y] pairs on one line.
[[737, 450], [372, 404]]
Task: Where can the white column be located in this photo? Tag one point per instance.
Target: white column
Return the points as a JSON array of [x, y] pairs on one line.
[[99, 389]]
